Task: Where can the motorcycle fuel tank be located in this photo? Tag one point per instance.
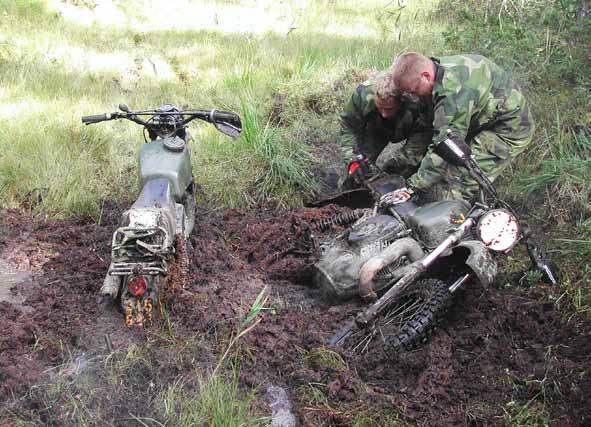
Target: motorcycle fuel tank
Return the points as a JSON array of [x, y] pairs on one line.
[[157, 160], [433, 222]]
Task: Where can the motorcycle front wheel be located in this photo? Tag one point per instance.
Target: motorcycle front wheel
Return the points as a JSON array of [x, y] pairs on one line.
[[406, 322]]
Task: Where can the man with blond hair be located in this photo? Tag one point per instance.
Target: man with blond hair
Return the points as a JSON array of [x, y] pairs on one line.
[[375, 116], [474, 101]]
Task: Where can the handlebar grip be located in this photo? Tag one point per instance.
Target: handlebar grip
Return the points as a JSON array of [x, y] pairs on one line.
[[87, 120], [225, 116]]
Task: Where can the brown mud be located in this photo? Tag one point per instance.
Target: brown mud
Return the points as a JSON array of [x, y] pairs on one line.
[[500, 351]]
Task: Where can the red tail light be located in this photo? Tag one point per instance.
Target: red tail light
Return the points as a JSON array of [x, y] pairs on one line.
[[137, 286], [353, 166]]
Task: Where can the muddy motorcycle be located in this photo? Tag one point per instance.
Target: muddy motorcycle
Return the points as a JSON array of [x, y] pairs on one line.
[[408, 260], [144, 243]]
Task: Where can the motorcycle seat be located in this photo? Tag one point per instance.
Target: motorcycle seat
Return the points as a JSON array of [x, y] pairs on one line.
[[156, 193]]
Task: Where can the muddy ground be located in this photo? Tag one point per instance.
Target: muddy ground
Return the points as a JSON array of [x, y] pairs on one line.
[[504, 355]]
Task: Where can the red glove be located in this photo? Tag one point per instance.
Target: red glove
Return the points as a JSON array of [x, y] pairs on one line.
[[359, 169]]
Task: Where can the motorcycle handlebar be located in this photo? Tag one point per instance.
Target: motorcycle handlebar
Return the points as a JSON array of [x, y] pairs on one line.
[[88, 120], [212, 116]]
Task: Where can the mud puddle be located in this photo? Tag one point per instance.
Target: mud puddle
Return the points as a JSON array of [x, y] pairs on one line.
[[13, 285]]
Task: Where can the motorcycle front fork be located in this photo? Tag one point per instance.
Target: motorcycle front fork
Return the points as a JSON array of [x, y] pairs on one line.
[[459, 282]]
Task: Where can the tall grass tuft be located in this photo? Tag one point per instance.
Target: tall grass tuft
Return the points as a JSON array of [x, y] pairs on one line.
[[283, 162], [565, 170], [56, 166], [262, 166], [217, 401]]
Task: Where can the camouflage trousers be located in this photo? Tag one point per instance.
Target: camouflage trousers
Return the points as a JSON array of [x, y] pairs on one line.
[[439, 180]]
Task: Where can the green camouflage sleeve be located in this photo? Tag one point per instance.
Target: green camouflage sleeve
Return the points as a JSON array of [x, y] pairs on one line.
[[352, 127], [432, 170], [453, 108], [456, 99]]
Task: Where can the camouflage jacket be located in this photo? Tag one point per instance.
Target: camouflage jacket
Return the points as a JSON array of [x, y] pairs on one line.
[[471, 93], [365, 131], [474, 97]]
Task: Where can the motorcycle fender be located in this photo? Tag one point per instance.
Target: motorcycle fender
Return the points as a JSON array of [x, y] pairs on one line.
[[480, 261]]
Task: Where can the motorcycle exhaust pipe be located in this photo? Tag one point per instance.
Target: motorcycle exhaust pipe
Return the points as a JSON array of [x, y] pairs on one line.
[[407, 247]]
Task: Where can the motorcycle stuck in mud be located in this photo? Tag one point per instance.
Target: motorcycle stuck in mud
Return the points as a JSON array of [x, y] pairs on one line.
[[408, 260], [144, 243]]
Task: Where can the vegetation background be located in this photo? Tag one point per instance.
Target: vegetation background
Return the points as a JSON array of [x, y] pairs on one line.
[[287, 68]]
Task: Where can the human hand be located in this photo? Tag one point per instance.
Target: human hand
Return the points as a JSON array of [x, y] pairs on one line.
[[397, 196]]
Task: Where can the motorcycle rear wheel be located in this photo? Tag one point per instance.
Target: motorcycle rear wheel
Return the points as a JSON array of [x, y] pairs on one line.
[[406, 322], [189, 205]]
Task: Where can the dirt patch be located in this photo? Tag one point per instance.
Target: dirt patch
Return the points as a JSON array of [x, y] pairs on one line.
[[68, 262], [500, 351]]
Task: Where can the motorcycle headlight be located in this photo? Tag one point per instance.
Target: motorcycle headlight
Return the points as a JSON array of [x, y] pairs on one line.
[[499, 230]]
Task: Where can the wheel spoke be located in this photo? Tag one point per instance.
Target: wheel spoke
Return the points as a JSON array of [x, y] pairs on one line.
[[390, 323]]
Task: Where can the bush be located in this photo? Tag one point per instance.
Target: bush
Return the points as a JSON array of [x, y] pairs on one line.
[[541, 40]]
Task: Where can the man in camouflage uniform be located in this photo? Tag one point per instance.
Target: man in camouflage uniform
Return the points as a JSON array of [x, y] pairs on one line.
[[479, 103], [371, 120]]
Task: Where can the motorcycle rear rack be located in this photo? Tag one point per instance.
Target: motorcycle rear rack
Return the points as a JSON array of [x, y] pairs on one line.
[[139, 256], [119, 239], [144, 268]]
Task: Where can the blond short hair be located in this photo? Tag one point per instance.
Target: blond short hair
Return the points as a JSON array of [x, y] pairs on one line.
[[384, 87], [407, 68]]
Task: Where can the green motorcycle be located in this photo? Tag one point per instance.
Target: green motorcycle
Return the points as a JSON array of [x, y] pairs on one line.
[[407, 259], [143, 244]]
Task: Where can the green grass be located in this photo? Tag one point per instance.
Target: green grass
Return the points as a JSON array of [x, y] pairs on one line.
[[157, 382], [131, 388], [55, 70], [216, 402], [564, 170], [320, 357], [531, 414]]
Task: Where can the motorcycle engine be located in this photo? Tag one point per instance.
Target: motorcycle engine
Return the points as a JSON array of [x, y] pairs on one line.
[[337, 271], [372, 229]]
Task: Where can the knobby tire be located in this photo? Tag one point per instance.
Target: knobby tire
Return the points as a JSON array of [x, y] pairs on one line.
[[431, 299]]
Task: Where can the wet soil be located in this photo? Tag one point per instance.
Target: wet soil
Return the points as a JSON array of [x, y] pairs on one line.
[[499, 348]]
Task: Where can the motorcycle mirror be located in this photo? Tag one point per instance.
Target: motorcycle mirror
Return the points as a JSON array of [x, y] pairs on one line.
[[454, 152], [228, 129], [124, 108]]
